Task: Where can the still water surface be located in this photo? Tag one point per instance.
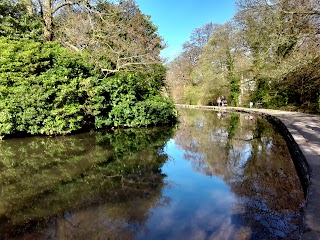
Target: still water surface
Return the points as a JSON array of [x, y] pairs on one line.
[[213, 176]]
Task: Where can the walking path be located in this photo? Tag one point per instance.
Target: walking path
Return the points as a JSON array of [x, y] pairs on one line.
[[303, 131]]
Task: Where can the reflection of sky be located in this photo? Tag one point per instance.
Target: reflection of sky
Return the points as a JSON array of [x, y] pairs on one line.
[[199, 205], [245, 154]]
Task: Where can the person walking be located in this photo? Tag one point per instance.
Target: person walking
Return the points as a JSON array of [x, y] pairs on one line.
[[218, 101]]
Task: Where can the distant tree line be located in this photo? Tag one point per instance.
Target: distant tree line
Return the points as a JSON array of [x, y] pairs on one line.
[[268, 53], [70, 65]]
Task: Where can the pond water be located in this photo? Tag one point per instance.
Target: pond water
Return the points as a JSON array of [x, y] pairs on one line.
[[213, 176]]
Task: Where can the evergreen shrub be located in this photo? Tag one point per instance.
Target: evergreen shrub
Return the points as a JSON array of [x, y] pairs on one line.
[[47, 89]]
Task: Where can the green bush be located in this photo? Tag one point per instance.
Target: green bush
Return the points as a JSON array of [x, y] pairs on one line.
[[40, 88], [131, 103], [47, 89], [153, 111], [16, 22]]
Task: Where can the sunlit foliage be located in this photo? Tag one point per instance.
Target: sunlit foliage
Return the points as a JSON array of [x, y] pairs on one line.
[[268, 53]]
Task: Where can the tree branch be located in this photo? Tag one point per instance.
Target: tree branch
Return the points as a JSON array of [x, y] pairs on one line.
[[41, 8], [70, 46], [118, 68], [68, 3], [302, 13]]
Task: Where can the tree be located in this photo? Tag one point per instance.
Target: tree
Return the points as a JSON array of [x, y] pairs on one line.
[[192, 49], [282, 40], [117, 37], [218, 62], [180, 77], [46, 88], [268, 53], [47, 9]]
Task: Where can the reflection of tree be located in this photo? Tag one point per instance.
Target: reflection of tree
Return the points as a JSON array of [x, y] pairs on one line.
[[200, 132], [270, 189], [117, 172], [233, 125], [254, 161]]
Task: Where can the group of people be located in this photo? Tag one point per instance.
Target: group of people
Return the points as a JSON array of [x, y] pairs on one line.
[[222, 101]]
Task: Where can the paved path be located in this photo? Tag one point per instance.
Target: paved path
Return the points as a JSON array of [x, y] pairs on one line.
[[305, 131]]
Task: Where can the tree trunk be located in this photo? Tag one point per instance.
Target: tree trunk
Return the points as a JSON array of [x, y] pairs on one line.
[[48, 20], [30, 7]]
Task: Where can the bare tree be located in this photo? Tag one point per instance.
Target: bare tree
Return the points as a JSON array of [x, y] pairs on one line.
[[117, 36], [47, 9], [192, 49]]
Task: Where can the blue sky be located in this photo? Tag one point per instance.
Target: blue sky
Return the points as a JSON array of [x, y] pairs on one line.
[[176, 19]]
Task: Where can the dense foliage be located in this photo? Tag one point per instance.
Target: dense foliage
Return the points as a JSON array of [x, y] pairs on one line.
[[268, 54], [126, 100], [15, 22], [46, 88], [41, 88]]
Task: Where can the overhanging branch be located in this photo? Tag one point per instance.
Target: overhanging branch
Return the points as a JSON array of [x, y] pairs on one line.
[[67, 3], [302, 12]]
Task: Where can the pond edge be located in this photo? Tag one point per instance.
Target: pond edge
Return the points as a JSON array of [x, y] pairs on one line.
[[303, 168]]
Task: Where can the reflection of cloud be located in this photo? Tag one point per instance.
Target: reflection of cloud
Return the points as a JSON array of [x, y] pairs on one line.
[[210, 218]]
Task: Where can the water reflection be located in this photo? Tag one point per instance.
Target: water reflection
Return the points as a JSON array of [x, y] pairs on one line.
[[224, 176], [73, 187], [248, 155]]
